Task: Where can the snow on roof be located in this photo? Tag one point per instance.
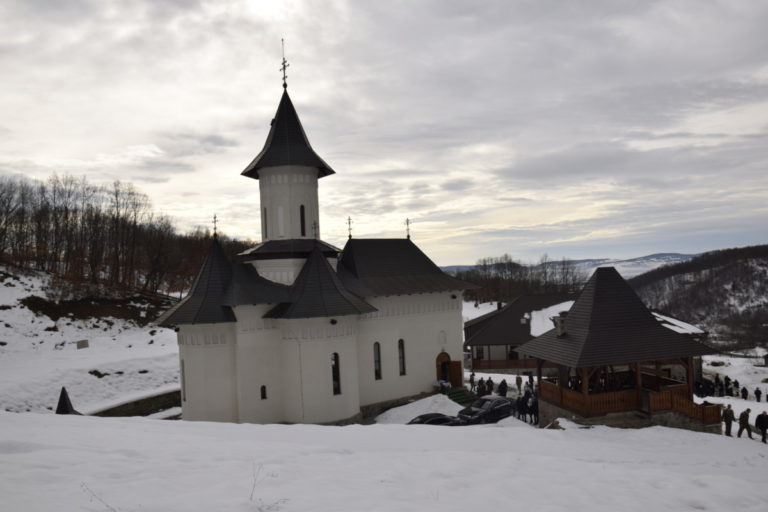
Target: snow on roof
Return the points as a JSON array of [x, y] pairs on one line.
[[676, 325], [541, 320]]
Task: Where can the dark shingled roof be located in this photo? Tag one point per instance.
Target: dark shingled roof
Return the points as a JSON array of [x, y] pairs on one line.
[[392, 266], [292, 248], [318, 292], [248, 287], [203, 304], [503, 326], [286, 144], [609, 324]]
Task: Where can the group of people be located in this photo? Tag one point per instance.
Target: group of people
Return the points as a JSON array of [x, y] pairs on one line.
[[761, 423], [725, 387], [526, 403]]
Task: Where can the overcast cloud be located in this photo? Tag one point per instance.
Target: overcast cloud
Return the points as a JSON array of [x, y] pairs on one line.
[[577, 129]]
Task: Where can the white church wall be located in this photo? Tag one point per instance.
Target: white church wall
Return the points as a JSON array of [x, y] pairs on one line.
[[307, 349], [207, 359], [283, 271], [283, 190], [258, 349], [427, 323]]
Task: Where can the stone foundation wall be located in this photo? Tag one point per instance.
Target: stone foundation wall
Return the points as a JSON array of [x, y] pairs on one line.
[[630, 419]]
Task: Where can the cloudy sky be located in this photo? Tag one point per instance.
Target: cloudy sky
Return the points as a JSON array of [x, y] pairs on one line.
[[575, 129]]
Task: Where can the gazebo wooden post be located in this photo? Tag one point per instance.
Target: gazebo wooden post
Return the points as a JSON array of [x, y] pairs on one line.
[[539, 364], [689, 375], [638, 384]]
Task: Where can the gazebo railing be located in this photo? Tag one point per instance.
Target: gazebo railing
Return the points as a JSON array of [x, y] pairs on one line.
[[619, 401]]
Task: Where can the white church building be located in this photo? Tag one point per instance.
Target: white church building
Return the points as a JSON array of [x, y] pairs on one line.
[[298, 331]]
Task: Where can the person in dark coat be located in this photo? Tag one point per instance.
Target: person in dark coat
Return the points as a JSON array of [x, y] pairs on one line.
[[472, 381], [503, 388], [488, 386], [481, 387], [727, 381], [728, 418], [519, 384], [758, 394], [744, 423], [762, 424], [744, 393]]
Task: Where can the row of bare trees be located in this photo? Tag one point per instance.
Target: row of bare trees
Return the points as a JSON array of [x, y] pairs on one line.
[[96, 234], [503, 278]]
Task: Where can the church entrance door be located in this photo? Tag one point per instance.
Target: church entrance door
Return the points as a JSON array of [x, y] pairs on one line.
[[443, 363]]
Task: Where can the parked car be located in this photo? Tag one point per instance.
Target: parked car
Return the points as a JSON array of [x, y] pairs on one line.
[[434, 418], [488, 409]]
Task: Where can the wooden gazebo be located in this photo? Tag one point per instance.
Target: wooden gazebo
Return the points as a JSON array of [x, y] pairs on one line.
[[612, 356]]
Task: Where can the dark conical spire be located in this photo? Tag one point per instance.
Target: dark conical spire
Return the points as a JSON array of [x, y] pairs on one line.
[[286, 144], [65, 406], [203, 305]]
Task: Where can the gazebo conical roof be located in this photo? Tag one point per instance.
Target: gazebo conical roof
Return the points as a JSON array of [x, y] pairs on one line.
[[609, 325]]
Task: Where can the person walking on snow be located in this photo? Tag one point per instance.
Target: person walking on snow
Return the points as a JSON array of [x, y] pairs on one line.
[[758, 393], [744, 423], [762, 424], [728, 418], [472, 381], [744, 393]]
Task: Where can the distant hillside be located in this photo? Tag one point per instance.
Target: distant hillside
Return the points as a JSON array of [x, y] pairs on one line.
[[627, 268], [724, 292]]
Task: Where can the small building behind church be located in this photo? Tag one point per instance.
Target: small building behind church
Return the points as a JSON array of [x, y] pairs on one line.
[[299, 331]]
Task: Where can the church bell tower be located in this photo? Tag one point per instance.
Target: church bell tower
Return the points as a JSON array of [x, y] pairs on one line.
[[288, 169]]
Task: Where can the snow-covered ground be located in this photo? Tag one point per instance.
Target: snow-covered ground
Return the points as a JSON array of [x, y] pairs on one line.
[[35, 363], [50, 462]]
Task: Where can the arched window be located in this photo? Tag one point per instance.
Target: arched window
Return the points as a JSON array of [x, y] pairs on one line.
[[183, 383], [401, 355], [263, 392], [377, 361], [336, 373], [303, 221]]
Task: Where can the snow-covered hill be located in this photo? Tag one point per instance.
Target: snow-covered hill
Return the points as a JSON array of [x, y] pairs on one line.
[[627, 268], [39, 354]]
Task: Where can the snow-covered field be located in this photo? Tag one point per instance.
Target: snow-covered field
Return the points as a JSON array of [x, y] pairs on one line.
[[35, 363], [50, 462]]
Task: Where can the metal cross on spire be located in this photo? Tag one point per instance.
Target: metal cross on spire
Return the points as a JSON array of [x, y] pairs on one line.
[[215, 223], [349, 226], [408, 228], [285, 65]]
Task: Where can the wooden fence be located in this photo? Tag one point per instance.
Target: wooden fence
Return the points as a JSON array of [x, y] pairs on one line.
[[675, 399]]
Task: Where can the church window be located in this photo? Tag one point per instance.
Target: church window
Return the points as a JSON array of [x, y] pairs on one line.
[[263, 392], [401, 355], [183, 383], [336, 373], [303, 222], [377, 360]]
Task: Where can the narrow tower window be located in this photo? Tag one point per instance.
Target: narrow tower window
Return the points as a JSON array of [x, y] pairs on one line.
[[303, 222], [263, 392], [265, 223], [183, 383], [401, 355], [336, 374], [377, 361]]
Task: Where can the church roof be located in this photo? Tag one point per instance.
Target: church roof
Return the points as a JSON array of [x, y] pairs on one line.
[[318, 292], [248, 287], [203, 304], [283, 249], [609, 324], [504, 326], [286, 144], [392, 266]]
